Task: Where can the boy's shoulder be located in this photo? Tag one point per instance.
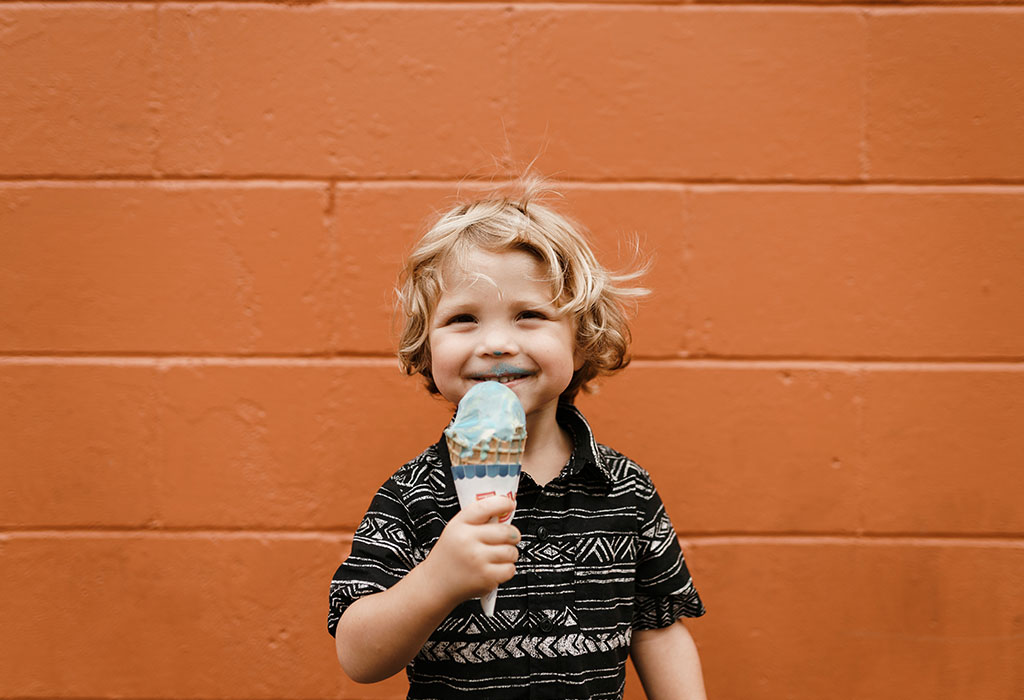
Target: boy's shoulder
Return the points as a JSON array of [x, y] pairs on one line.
[[425, 470], [420, 494], [623, 471]]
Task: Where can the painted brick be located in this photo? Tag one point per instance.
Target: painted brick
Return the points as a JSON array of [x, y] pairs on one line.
[[377, 226], [872, 273], [755, 272], [689, 92], [337, 90], [165, 268], [329, 109], [250, 446], [739, 450], [752, 449], [746, 272], [76, 89], [777, 449], [944, 451], [165, 615], [234, 616], [944, 94], [78, 445], [653, 217], [884, 620], [288, 447]]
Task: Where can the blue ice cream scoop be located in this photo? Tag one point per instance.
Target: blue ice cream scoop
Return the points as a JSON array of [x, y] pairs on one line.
[[489, 417]]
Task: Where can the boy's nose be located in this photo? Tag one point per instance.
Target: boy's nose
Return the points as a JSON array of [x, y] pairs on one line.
[[498, 342]]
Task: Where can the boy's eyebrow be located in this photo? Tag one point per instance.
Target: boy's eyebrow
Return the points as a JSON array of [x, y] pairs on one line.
[[539, 301], [459, 302]]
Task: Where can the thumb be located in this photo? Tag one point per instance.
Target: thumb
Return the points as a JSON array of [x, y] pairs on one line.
[[480, 512]]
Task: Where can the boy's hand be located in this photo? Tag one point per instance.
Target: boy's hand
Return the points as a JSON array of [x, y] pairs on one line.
[[473, 554]]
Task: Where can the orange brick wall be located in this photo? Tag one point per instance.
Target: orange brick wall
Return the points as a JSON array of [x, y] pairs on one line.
[[202, 209]]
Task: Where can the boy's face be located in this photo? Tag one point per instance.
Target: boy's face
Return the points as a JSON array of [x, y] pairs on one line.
[[496, 321]]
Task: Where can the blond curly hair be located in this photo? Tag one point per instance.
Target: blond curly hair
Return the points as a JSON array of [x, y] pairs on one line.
[[596, 298]]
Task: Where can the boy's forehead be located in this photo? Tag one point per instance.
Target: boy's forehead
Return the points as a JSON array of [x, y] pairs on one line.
[[476, 263], [501, 272]]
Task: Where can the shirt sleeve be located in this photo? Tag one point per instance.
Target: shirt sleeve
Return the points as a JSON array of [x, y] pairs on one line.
[[664, 587], [383, 552]]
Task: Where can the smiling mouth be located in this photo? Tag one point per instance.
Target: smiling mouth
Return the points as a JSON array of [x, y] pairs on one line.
[[501, 378]]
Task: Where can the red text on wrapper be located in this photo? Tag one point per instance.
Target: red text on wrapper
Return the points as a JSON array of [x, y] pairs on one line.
[[511, 495]]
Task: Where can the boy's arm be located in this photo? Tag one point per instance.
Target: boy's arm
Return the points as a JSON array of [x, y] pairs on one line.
[[667, 662], [379, 634]]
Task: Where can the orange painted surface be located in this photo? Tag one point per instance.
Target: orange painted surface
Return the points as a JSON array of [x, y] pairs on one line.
[[202, 211]]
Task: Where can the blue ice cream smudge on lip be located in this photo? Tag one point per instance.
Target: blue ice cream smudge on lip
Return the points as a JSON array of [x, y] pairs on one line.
[[488, 410]]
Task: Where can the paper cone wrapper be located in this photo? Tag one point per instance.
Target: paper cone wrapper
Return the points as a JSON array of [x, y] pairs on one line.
[[489, 471]]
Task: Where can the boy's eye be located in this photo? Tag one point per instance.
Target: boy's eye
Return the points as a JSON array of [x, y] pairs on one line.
[[460, 318], [531, 313]]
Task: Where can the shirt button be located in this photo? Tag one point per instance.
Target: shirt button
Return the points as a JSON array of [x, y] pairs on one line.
[[542, 533], [546, 625]]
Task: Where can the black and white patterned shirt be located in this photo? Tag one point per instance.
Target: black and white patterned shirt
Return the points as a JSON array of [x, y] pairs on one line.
[[598, 559]]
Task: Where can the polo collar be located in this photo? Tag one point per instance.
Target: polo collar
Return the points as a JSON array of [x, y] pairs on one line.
[[585, 454]]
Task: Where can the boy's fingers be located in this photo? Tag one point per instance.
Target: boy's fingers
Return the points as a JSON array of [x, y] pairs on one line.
[[483, 510], [505, 572], [494, 533], [506, 554]]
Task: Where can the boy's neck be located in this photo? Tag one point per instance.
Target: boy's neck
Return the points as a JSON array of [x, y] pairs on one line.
[[548, 447]]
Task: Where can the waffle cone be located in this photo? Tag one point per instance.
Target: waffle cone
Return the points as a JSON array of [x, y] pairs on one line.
[[494, 451]]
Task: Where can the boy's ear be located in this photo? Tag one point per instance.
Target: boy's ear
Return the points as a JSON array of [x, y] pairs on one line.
[[578, 360]]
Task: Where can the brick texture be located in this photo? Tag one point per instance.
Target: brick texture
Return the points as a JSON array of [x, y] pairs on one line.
[[695, 92], [869, 619], [331, 90], [943, 451], [165, 268], [877, 273], [203, 209], [267, 268], [192, 609], [205, 446], [77, 90], [945, 92]]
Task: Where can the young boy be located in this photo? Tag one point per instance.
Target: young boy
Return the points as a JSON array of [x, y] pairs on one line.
[[591, 570]]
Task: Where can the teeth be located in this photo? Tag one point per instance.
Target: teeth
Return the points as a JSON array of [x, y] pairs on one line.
[[502, 380]]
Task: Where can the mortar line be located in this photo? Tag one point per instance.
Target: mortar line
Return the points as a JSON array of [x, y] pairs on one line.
[[1002, 541], [895, 5], [695, 183], [388, 360], [864, 154], [837, 538]]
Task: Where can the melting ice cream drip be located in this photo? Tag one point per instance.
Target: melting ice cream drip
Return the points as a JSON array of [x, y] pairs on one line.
[[489, 417]]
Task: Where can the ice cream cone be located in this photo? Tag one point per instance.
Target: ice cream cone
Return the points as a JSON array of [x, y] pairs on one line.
[[485, 443]]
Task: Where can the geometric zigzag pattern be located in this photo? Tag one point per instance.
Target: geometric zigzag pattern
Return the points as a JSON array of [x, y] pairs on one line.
[[600, 550], [521, 646], [376, 528], [504, 621]]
